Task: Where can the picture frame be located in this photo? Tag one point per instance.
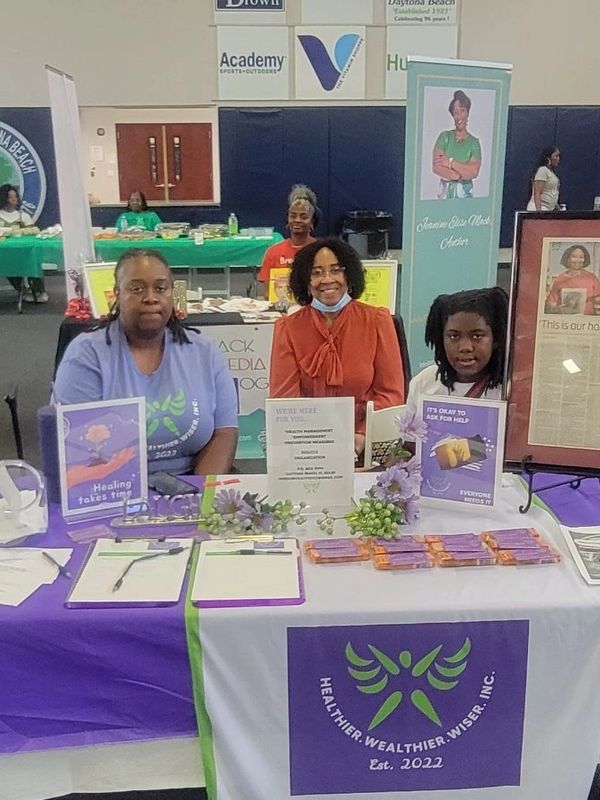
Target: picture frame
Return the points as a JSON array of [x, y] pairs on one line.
[[381, 282], [554, 342], [100, 286]]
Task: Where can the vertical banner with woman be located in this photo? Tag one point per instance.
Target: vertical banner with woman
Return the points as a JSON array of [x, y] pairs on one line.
[[456, 117]]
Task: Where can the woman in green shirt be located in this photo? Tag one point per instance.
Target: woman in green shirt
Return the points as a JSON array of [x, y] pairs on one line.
[[457, 154], [137, 214]]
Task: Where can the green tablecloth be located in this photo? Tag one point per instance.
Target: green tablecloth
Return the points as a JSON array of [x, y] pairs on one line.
[[24, 256]]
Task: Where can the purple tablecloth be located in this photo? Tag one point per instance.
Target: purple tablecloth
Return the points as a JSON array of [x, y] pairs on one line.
[[73, 677], [574, 507]]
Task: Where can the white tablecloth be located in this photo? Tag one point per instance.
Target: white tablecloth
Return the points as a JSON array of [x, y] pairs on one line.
[[245, 671], [161, 764]]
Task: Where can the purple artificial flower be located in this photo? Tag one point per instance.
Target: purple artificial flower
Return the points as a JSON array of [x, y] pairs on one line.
[[261, 520], [411, 426], [411, 510], [229, 503], [395, 485]]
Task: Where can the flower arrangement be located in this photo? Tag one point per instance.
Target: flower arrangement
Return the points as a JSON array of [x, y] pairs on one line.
[[393, 500], [237, 514]]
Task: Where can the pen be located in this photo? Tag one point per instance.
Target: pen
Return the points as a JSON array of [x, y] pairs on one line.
[[249, 553], [173, 551], [61, 570]]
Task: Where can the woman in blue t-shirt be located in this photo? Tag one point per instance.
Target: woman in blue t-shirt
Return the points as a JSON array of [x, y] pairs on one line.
[[143, 350]]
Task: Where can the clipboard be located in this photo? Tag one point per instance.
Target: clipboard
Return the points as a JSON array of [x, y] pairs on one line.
[[237, 575], [151, 574]]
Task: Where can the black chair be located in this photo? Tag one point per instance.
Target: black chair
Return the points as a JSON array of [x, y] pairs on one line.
[[10, 399], [399, 326]]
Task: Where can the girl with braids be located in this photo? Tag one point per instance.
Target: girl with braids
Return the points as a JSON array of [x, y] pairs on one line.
[[467, 332], [143, 350], [302, 217]]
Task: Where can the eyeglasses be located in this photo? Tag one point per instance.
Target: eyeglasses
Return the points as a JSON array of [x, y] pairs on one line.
[[318, 274]]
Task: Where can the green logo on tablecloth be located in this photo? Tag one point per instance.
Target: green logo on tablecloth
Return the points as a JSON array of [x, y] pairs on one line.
[[21, 166], [382, 670]]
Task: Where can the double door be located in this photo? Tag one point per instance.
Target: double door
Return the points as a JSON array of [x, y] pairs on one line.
[[166, 161]]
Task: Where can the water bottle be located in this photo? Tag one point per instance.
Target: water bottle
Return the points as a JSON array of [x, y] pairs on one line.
[[232, 225], [123, 226]]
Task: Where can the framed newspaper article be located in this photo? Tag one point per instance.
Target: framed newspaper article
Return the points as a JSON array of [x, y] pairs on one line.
[[553, 369]]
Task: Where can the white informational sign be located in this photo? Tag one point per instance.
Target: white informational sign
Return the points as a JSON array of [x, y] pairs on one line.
[[75, 217], [247, 352], [330, 63], [421, 12], [310, 450], [338, 12], [402, 41], [253, 63]]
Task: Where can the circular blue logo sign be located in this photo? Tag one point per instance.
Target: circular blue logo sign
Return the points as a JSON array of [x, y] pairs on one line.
[[21, 166]]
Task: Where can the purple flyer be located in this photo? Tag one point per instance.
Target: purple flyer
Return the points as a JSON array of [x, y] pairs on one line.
[[102, 455], [406, 708], [462, 453]]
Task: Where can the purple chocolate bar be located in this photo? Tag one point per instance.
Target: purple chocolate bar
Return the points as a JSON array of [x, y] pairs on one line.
[[325, 544], [418, 559]]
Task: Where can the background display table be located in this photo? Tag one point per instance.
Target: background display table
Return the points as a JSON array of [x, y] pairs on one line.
[[24, 256]]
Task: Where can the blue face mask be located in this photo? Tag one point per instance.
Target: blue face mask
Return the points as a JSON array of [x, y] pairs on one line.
[[341, 303]]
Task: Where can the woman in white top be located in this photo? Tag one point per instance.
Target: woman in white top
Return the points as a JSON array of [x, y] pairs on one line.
[[13, 216], [545, 183], [467, 332]]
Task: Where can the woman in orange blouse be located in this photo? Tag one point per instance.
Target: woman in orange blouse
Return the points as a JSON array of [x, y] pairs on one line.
[[335, 346]]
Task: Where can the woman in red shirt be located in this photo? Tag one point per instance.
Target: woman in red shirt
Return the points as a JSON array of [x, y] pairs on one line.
[[336, 346], [302, 218]]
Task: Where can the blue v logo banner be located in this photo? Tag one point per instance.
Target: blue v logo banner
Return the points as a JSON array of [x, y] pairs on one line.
[[415, 707], [330, 72], [330, 62]]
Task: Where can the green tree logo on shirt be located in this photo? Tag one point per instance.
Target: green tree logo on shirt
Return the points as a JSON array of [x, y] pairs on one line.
[[375, 675], [162, 412]]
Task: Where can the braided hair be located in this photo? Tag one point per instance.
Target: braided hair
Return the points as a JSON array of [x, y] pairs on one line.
[[177, 329], [492, 306], [301, 192]]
